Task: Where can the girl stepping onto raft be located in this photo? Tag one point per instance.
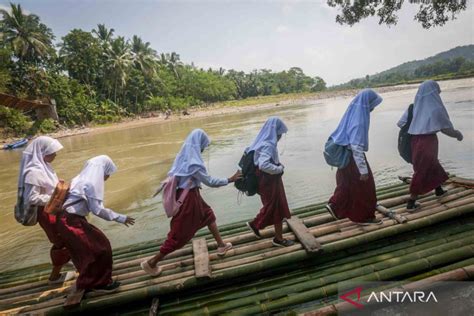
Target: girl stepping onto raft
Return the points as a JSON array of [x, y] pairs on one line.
[[39, 181], [429, 117], [270, 185], [354, 196], [194, 213], [90, 249]]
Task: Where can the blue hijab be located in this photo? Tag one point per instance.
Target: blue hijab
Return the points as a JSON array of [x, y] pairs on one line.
[[353, 128], [267, 139], [189, 160]]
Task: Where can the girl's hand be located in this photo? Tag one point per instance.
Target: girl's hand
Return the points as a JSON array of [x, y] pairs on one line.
[[129, 221], [235, 177], [364, 177]]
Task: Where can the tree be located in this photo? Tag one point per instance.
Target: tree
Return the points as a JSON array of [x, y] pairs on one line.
[[318, 84], [119, 59], [80, 53], [144, 57], [29, 39], [430, 14]]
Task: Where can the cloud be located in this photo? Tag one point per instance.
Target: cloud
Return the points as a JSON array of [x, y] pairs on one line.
[[282, 29]]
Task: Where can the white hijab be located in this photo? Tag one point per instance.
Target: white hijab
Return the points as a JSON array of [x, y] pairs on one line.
[[90, 181], [33, 169], [353, 129], [429, 114], [189, 159], [267, 139]]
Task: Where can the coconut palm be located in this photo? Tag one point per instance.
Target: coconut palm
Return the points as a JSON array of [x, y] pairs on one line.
[[27, 37], [104, 34], [119, 59], [172, 62], [143, 55]]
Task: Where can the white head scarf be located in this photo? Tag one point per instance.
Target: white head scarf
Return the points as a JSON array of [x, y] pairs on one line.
[[353, 129], [90, 182], [429, 114], [267, 139], [33, 169], [189, 159]]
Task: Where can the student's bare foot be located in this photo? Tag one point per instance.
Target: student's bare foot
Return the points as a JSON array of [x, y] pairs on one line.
[[153, 271], [221, 251]]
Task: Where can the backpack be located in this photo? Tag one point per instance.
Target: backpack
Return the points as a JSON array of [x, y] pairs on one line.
[[25, 214], [169, 187], [336, 155], [56, 202], [248, 184], [404, 139]]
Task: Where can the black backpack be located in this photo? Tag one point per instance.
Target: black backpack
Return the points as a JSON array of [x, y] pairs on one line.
[[404, 139], [249, 182]]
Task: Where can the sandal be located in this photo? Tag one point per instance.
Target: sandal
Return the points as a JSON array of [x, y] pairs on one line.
[[221, 251], [156, 271], [254, 230], [282, 243], [68, 276]]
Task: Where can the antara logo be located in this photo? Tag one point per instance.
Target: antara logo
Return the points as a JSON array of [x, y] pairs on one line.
[[402, 297], [389, 297]]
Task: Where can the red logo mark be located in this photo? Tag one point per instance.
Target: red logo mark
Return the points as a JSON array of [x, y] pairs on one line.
[[354, 291]]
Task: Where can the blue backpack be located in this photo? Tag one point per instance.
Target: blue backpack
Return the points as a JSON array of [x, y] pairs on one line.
[[336, 155]]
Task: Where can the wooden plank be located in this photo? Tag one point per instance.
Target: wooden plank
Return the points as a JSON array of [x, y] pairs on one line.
[[389, 213], [202, 268], [303, 234], [74, 298], [155, 304]]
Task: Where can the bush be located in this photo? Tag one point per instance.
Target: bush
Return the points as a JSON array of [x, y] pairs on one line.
[[14, 121], [108, 112], [43, 127]]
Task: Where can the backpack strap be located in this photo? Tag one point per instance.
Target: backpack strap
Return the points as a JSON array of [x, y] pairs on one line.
[[183, 195]]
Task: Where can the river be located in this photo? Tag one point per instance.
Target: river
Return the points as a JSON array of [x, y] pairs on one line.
[[144, 154]]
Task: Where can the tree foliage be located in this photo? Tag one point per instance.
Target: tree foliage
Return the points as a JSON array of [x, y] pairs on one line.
[[430, 13], [99, 76]]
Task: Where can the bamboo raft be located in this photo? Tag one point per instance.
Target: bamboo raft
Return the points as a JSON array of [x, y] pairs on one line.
[[255, 277]]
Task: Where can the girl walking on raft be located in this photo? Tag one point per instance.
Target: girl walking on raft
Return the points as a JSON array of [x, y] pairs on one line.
[[354, 196], [90, 249], [39, 180], [194, 213], [270, 185], [429, 117]]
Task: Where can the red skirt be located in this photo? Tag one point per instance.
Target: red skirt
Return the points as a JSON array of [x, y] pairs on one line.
[[90, 250], [193, 215], [353, 198], [428, 172], [275, 206], [58, 253]]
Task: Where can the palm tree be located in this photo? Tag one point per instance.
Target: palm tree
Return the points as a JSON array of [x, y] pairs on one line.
[[104, 35], [119, 59], [172, 62], [28, 38], [143, 55]]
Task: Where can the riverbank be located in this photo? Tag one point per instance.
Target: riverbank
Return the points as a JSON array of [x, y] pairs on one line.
[[220, 108]]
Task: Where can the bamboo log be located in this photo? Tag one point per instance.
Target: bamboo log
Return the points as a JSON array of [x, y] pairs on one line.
[[399, 218]]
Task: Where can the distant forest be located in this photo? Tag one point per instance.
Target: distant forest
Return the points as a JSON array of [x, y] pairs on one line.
[[454, 63], [98, 76]]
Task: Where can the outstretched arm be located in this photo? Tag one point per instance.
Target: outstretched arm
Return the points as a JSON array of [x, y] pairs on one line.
[[454, 133]]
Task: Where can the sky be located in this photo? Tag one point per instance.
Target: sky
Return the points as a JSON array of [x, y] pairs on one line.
[[247, 35]]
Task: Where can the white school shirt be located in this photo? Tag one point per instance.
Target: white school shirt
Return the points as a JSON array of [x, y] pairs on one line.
[[359, 159], [95, 206], [36, 195], [266, 165], [201, 177]]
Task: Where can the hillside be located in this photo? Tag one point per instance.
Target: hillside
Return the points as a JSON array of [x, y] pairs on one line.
[[467, 52], [457, 62]]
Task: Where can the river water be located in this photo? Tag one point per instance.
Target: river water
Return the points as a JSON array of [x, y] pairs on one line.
[[144, 155]]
